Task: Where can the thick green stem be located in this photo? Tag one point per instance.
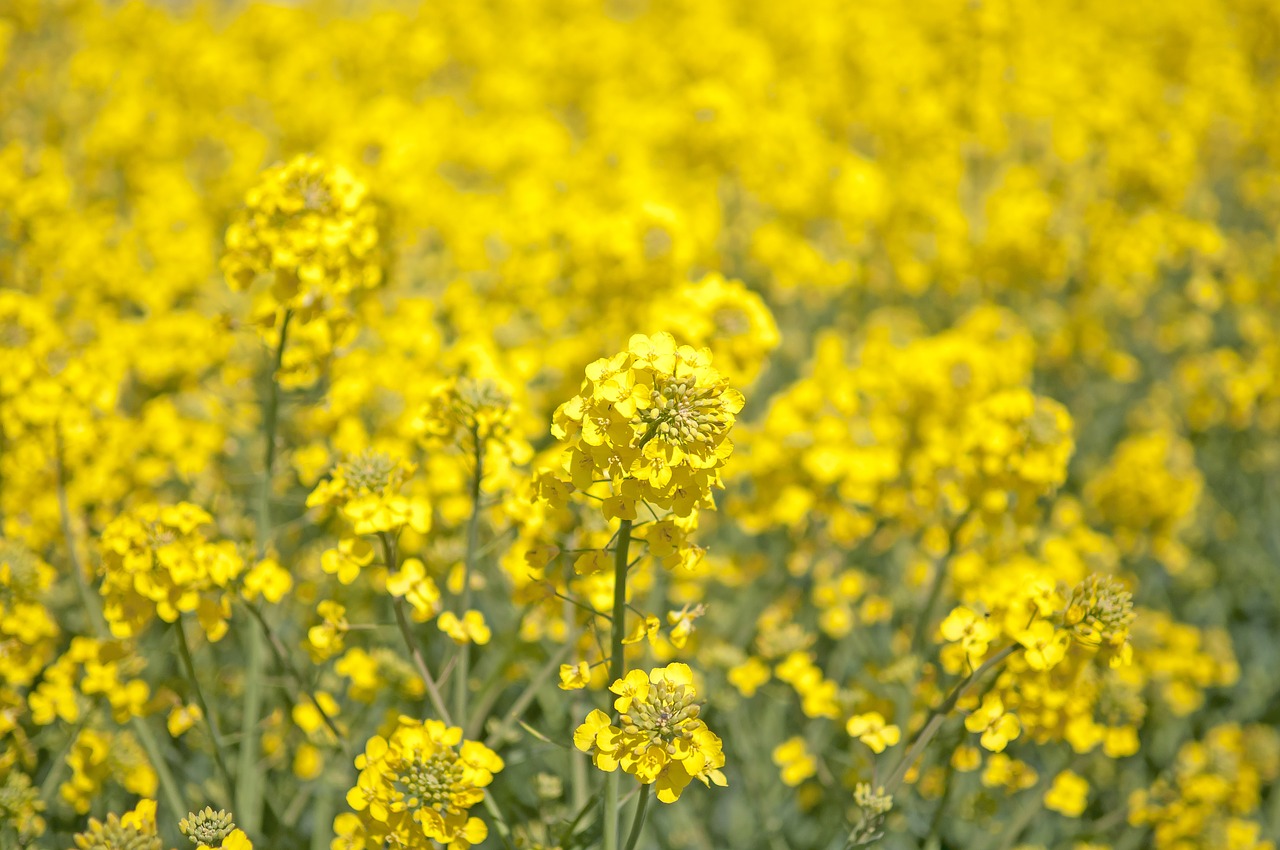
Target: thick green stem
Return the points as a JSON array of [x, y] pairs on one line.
[[249, 798], [98, 623], [637, 822], [463, 680], [211, 723], [617, 669]]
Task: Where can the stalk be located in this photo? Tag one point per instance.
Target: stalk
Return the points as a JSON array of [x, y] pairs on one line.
[[406, 632], [249, 778], [637, 822], [211, 724], [462, 683], [617, 669], [939, 715], [282, 656]]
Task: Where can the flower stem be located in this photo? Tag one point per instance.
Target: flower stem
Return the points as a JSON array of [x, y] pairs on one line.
[[433, 690], [939, 715], [211, 724], [282, 656], [617, 669], [637, 822], [462, 683], [935, 588], [248, 775]]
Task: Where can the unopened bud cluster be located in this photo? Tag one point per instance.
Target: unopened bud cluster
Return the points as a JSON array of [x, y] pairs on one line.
[[1099, 610], [207, 828]]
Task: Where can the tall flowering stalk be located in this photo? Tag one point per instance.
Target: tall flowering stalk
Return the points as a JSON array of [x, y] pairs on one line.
[[304, 242], [652, 423]]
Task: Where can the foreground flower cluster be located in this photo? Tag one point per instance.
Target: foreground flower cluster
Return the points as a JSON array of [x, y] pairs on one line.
[[608, 424]]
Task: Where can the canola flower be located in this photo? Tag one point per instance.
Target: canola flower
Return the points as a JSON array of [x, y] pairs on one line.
[[653, 421], [157, 562], [416, 787], [659, 737], [309, 227]]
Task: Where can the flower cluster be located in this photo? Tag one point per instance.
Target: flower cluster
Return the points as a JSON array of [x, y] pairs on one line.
[[653, 421], [313, 230], [994, 547], [157, 562], [135, 830], [210, 830], [367, 490], [659, 737], [416, 787], [26, 625]]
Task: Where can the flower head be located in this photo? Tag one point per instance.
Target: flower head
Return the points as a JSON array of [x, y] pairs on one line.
[[652, 420], [157, 562], [367, 487], [136, 830], [872, 730], [660, 738], [311, 228], [417, 785], [210, 830], [1099, 612]]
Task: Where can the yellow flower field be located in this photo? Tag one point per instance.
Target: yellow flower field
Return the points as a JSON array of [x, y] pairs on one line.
[[627, 424]]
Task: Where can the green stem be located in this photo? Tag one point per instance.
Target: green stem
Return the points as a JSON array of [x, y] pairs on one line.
[[586, 807], [98, 623], [463, 683], [211, 724], [617, 669], [939, 715], [637, 822], [406, 631], [249, 776], [282, 656], [935, 589]]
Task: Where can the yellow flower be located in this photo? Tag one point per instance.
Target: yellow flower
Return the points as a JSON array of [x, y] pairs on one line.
[[367, 488], [156, 562], [659, 738], [1098, 614], [653, 421], [268, 580], [682, 621], [471, 628], [347, 559], [1069, 794], [411, 582], [309, 226], [461, 410], [871, 729], [748, 676], [645, 628], [795, 760], [416, 787], [182, 718], [1044, 645], [574, 677], [998, 728], [972, 632], [326, 639], [135, 830]]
